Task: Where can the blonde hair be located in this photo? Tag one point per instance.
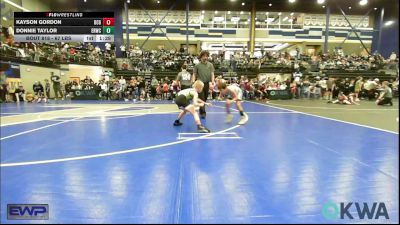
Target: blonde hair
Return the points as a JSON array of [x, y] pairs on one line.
[[198, 84], [222, 84]]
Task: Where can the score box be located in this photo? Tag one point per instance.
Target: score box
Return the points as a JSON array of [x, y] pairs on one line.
[[108, 30], [108, 21]]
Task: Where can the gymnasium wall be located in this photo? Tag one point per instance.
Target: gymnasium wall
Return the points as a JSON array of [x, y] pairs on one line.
[[29, 74]]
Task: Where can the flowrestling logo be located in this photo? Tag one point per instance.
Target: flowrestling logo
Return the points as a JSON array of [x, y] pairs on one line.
[[354, 210]]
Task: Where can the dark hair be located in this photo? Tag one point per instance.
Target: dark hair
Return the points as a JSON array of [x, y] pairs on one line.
[[202, 53], [184, 66]]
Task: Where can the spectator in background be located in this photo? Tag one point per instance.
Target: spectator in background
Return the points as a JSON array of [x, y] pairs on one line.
[[108, 48], [122, 85], [56, 85], [65, 48], [370, 86], [386, 95], [142, 88], [330, 86], [357, 88], [123, 51], [97, 49], [129, 93], [20, 94], [165, 90], [104, 90], [154, 84], [63, 90], [39, 91], [184, 78], [3, 90], [323, 85], [68, 88], [47, 88], [393, 57], [87, 80]]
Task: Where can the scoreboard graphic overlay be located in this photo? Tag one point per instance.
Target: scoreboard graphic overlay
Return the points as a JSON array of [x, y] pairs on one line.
[[64, 26]]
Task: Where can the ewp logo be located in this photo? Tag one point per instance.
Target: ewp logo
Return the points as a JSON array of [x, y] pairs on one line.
[[28, 212], [331, 211]]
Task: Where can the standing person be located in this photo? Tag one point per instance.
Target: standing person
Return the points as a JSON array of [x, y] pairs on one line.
[[330, 85], [123, 51], [165, 90], [235, 96], [47, 88], [183, 101], [386, 95], [154, 84], [204, 71], [122, 85], [142, 88], [183, 78], [56, 85], [323, 84], [3, 87]]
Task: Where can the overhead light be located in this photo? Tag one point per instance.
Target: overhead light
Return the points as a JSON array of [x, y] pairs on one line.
[[229, 12], [375, 8], [243, 3], [241, 12], [84, 0], [266, 13], [388, 23], [248, 20], [128, 1], [270, 4], [284, 19], [320, 2], [158, 2], [4, 18], [290, 20], [216, 12], [292, 1], [291, 14], [279, 14], [349, 7], [363, 2], [246, 23]]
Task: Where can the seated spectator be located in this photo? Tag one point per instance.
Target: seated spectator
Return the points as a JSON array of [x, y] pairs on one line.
[[20, 94], [386, 95], [39, 92]]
